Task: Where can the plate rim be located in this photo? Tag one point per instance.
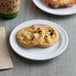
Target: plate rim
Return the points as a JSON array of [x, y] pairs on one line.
[[52, 12], [34, 58]]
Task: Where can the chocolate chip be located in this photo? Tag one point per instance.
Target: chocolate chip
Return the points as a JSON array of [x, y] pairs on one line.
[[33, 38], [46, 36], [38, 28], [51, 33], [35, 31], [39, 31], [49, 30]]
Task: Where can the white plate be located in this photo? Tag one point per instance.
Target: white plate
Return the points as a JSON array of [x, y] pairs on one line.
[[40, 53], [60, 11]]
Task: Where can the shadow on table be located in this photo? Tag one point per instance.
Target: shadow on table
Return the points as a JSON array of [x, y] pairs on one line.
[[31, 62], [22, 60]]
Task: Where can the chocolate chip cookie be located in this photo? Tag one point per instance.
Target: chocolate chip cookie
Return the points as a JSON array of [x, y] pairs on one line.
[[37, 35], [29, 36], [50, 36]]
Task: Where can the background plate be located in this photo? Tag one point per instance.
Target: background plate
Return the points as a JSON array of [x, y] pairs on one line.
[[59, 11]]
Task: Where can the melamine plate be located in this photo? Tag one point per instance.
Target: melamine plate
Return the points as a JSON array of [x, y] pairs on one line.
[[40, 53], [59, 11]]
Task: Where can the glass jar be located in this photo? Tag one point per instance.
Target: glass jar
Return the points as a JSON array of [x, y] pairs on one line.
[[9, 8]]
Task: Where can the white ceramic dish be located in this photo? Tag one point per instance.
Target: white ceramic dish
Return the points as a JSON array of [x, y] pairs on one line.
[[60, 11], [40, 53]]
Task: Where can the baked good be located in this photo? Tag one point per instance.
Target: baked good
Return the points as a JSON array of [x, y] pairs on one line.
[[50, 36], [29, 36], [37, 35], [60, 3]]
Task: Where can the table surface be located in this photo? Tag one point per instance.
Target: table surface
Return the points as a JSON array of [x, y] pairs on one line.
[[63, 65]]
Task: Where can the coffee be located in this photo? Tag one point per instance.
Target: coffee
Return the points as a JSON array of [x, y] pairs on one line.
[[9, 8]]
